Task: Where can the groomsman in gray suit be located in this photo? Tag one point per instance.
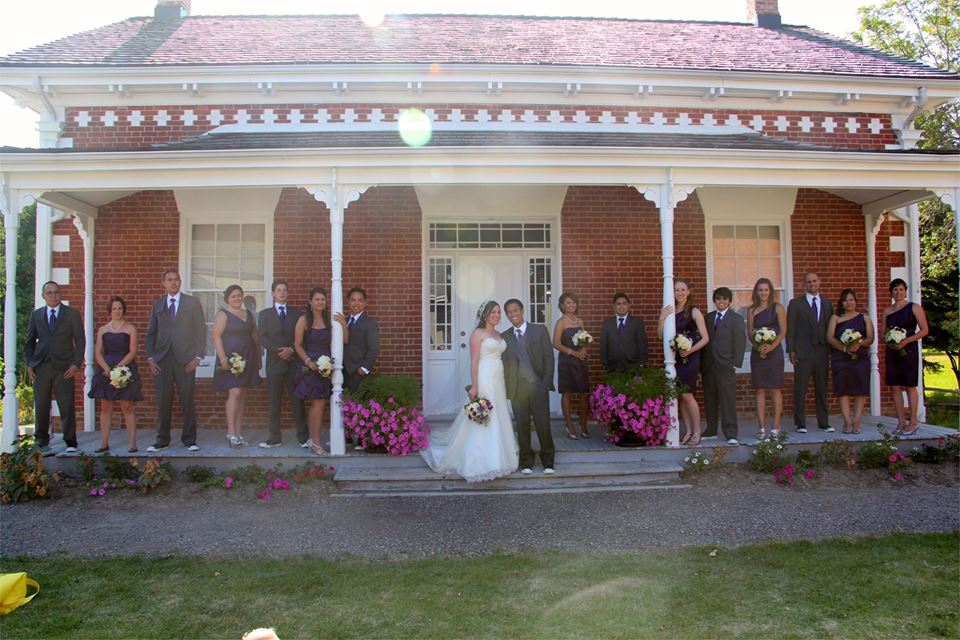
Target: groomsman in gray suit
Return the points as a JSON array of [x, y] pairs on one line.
[[275, 326], [623, 339], [176, 342], [54, 355], [360, 354], [807, 319], [721, 357], [528, 372]]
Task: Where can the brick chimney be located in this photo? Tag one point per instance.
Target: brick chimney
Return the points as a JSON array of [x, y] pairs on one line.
[[764, 13], [171, 9]]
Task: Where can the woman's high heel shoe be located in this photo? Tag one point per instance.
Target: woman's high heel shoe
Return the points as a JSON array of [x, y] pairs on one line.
[[237, 442]]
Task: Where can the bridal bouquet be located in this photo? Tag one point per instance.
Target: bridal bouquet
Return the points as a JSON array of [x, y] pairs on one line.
[[325, 366], [120, 377], [850, 337], [681, 342], [236, 363], [764, 335], [893, 338], [479, 410], [581, 338]]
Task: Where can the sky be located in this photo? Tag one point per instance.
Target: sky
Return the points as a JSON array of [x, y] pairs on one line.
[[27, 23]]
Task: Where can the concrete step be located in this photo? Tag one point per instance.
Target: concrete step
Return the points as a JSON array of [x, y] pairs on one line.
[[420, 479]]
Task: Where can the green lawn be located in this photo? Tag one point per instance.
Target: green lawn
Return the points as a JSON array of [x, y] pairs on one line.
[[944, 379], [898, 586]]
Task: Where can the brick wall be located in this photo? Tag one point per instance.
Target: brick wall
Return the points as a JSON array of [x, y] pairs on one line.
[[96, 127]]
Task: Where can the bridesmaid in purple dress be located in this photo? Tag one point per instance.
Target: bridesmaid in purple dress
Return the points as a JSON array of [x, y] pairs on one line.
[[311, 339], [116, 347], [850, 363], [903, 360], [573, 380], [235, 332], [691, 324], [766, 360]]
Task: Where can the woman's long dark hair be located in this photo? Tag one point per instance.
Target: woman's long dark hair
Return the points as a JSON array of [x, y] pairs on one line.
[[839, 311], [326, 310], [484, 312]]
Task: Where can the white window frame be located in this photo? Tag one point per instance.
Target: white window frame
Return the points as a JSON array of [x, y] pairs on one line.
[[786, 263], [187, 221]]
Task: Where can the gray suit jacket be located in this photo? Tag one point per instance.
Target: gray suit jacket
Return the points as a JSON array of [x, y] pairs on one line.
[[274, 336], [364, 345], [185, 337], [63, 347], [540, 349], [623, 350], [804, 332], [728, 341]]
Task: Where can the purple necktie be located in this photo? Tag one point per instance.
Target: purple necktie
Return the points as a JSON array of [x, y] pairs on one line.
[[283, 316], [53, 320], [172, 310], [620, 322], [816, 312], [352, 320], [716, 321]]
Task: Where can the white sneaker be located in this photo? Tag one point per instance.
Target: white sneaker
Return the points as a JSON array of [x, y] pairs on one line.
[[827, 429], [70, 450], [526, 471], [801, 429], [195, 447], [154, 448], [548, 471], [732, 441], [307, 444], [269, 445]]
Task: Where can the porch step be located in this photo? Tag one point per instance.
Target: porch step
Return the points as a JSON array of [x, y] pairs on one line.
[[418, 479]]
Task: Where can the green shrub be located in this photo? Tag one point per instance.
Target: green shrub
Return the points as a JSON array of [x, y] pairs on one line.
[[119, 469], [837, 453], [768, 454], [642, 384], [876, 453], [198, 473], [948, 451], [86, 467], [404, 389], [806, 460], [23, 475], [25, 407]]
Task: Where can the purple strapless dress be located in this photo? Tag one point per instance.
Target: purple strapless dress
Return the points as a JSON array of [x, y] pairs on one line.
[[309, 384], [687, 372], [903, 367], [851, 377], [572, 373], [238, 338], [767, 373], [115, 347]]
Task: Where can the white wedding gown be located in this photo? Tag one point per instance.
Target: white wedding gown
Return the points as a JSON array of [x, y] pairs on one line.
[[479, 452]]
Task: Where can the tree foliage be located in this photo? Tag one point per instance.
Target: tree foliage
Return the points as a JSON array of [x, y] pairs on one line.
[[928, 31]]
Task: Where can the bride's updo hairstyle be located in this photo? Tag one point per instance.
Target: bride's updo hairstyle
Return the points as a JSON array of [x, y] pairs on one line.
[[483, 312]]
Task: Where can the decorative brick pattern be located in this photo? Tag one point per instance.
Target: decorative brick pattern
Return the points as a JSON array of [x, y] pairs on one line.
[[138, 127]]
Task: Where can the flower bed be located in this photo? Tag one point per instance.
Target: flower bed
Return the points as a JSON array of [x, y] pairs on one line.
[[384, 414], [635, 404]]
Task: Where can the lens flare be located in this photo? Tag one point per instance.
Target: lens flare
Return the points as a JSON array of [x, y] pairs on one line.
[[415, 129]]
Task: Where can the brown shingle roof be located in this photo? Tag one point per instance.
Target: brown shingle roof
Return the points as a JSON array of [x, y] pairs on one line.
[[459, 39]]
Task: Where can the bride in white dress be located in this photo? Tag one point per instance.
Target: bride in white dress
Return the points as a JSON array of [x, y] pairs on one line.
[[473, 451]]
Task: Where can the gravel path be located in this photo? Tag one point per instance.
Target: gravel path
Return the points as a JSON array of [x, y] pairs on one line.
[[319, 524]]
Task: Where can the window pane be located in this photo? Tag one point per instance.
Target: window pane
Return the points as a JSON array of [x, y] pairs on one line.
[[201, 273], [770, 268], [723, 240], [724, 271], [204, 240], [769, 241], [251, 274], [228, 272], [254, 245], [746, 272], [742, 299], [746, 241]]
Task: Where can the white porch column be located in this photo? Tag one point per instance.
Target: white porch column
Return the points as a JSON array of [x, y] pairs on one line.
[[871, 225], [337, 198], [44, 244], [666, 196], [11, 224], [916, 278], [85, 227]]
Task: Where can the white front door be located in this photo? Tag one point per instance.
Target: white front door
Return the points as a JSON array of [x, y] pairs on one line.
[[458, 286]]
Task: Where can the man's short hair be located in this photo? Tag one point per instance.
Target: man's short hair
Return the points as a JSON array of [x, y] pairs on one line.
[[620, 294], [512, 301], [276, 283], [168, 271], [44, 287], [359, 290], [722, 292]]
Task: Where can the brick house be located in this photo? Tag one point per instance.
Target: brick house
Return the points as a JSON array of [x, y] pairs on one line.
[[441, 160]]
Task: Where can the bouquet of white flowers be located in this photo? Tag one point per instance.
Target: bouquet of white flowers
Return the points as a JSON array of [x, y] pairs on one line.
[[893, 338], [764, 335], [581, 338], [325, 366], [236, 363], [681, 342], [120, 377], [479, 410], [850, 337]]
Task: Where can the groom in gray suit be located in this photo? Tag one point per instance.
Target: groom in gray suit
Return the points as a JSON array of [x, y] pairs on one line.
[[176, 342], [528, 369], [807, 319]]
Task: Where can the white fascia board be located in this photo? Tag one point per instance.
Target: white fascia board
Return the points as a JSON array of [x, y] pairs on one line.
[[163, 83], [523, 165]]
